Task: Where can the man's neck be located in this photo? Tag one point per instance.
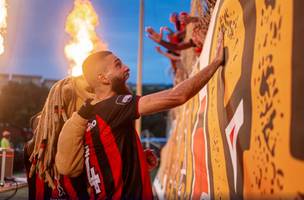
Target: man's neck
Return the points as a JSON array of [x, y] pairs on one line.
[[102, 94]]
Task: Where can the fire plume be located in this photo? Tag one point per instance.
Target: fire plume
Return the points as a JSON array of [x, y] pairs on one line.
[[80, 25], [3, 24]]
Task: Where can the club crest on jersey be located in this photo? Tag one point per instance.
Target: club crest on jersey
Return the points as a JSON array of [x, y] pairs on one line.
[[91, 125], [123, 99]]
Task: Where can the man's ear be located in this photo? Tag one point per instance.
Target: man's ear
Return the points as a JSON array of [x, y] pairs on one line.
[[103, 79]]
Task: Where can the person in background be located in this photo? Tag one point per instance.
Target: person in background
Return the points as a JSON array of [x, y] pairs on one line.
[[5, 141], [175, 37], [196, 42]]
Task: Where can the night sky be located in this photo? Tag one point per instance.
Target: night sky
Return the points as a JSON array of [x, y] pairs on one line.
[[35, 38]]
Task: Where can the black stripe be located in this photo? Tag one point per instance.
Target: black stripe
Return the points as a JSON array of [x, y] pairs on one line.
[[131, 173], [297, 115], [80, 186], [103, 162], [47, 191]]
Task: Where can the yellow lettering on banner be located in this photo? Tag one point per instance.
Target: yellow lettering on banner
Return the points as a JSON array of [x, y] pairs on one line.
[[231, 20], [271, 171]]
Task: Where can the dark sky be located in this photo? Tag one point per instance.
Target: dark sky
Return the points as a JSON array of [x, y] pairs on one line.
[[35, 38]]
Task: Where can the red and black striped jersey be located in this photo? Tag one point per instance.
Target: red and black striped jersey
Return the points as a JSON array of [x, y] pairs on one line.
[[69, 188], [115, 162]]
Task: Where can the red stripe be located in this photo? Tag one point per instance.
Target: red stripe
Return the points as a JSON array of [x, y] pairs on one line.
[[69, 188], [113, 154], [145, 176], [94, 163], [39, 188]]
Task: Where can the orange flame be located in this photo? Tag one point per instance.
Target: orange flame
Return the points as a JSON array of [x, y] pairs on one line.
[[80, 25], [3, 24]]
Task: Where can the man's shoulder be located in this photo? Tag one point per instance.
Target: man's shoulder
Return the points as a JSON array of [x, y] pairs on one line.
[[115, 110], [115, 103]]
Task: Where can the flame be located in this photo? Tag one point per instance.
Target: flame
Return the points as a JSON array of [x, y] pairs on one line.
[[3, 24], [80, 25]]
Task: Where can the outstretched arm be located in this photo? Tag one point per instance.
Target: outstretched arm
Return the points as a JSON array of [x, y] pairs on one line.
[[168, 55], [171, 46], [185, 90], [176, 47]]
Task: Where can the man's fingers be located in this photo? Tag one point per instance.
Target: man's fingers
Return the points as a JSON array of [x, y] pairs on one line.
[[220, 39], [220, 47], [151, 37], [158, 49], [163, 28], [150, 30], [220, 36]]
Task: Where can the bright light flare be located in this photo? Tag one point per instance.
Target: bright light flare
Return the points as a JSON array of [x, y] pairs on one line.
[[80, 25], [3, 23]]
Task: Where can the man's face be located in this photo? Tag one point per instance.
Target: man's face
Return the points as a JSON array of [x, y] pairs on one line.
[[118, 71], [118, 74]]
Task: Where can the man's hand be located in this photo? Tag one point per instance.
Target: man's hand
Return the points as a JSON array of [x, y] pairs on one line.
[[158, 49], [86, 109], [153, 35], [151, 158], [219, 52], [161, 31], [164, 28]]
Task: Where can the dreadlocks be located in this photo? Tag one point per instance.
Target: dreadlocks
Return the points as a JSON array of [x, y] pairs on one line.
[[65, 97]]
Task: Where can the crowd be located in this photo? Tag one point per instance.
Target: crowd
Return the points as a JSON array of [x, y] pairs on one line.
[[176, 42]]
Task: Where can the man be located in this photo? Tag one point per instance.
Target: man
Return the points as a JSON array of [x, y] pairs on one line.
[[114, 159], [5, 142]]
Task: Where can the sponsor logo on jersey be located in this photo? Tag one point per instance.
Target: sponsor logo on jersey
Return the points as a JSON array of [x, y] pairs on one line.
[[123, 99]]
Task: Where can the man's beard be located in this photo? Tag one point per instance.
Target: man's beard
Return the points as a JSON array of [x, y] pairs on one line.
[[120, 87]]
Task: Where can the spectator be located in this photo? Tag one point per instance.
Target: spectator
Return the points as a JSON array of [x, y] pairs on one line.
[[198, 37], [175, 37], [5, 141]]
